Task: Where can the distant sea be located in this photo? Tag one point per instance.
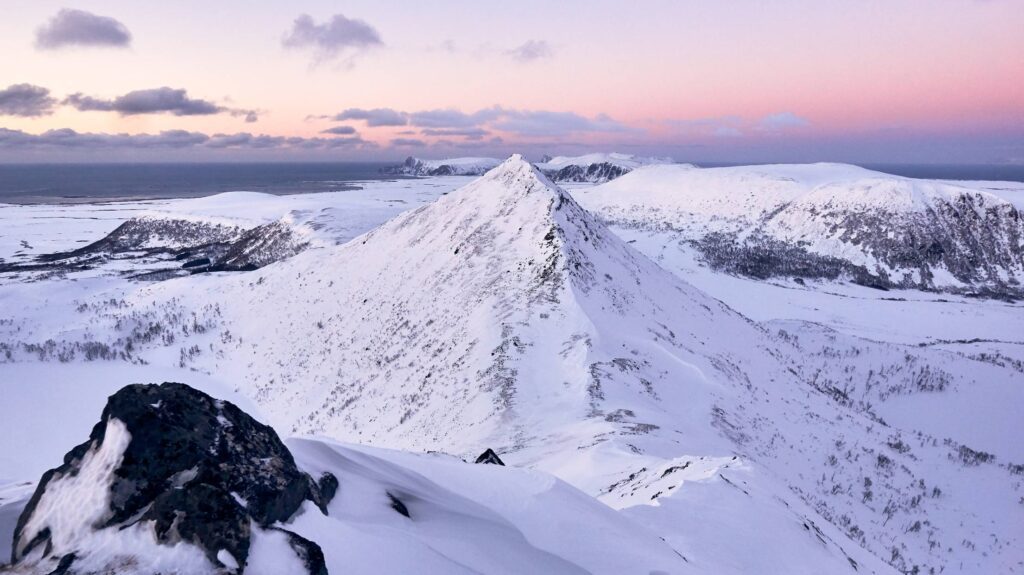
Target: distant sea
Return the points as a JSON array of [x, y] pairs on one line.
[[67, 183]]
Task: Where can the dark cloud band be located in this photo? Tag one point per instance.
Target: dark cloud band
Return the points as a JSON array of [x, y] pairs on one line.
[[477, 125], [155, 101], [67, 138]]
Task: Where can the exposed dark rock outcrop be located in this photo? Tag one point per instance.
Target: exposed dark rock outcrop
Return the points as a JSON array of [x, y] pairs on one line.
[[190, 247], [397, 505], [199, 469], [145, 234], [596, 173], [489, 457], [416, 167], [967, 237]]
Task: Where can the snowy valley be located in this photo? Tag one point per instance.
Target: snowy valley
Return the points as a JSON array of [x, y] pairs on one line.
[[761, 369]]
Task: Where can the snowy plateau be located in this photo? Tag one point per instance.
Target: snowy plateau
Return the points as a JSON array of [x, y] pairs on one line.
[[796, 369]]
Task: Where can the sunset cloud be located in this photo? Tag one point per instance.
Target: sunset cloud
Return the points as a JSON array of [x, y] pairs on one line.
[[26, 100], [451, 122], [154, 101], [334, 38], [80, 28], [374, 118], [66, 138], [530, 51]]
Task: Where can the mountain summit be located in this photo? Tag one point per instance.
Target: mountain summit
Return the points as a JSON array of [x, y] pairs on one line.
[[494, 316]]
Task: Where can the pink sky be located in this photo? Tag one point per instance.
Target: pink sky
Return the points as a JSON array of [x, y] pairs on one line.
[[906, 80]]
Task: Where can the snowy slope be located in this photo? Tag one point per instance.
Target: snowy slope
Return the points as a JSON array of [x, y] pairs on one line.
[[466, 518], [394, 513], [829, 221], [463, 518], [504, 315]]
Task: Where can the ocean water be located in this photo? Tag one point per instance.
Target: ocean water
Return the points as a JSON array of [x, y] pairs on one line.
[[59, 183], [37, 183]]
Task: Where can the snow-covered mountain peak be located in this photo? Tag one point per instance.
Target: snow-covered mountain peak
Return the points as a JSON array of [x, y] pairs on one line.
[[516, 174], [494, 298]]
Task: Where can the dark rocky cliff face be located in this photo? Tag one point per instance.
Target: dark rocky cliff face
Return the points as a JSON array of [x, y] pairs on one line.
[[187, 247], [415, 167], [976, 243], [596, 173], [198, 470]]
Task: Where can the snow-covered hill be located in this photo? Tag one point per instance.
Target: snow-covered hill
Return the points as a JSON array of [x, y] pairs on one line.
[[448, 167], [827, 221], [594, 168], [505, 315]]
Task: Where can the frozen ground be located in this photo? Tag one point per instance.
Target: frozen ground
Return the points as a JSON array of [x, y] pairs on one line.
[[740, 447]]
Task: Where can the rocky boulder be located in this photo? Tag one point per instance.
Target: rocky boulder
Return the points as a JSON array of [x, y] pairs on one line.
[[166, 465], [489, 457]]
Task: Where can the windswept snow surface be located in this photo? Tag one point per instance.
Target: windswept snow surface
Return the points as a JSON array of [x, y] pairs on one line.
[[506, 315]]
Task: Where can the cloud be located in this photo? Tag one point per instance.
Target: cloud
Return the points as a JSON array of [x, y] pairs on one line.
[[245, 140], [330, 143], [704, 123], [451, 118], [155, 101], [66, 138], [737, 126], [26, 100], [727, 132], [530, 51], [339, 130], [408, 143], [374, 118], [80, 28], [782, 121], [447, 45], [336, 37], [467, 133], [450, 122], [545, 123]]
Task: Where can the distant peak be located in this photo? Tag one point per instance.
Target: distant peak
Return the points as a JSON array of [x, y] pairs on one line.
[[516, 167]]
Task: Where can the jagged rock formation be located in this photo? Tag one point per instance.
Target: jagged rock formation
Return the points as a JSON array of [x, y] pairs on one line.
[[169, 477], [489, 457]]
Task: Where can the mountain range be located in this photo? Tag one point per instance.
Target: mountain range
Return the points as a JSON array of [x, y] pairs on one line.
[[510, 315]]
